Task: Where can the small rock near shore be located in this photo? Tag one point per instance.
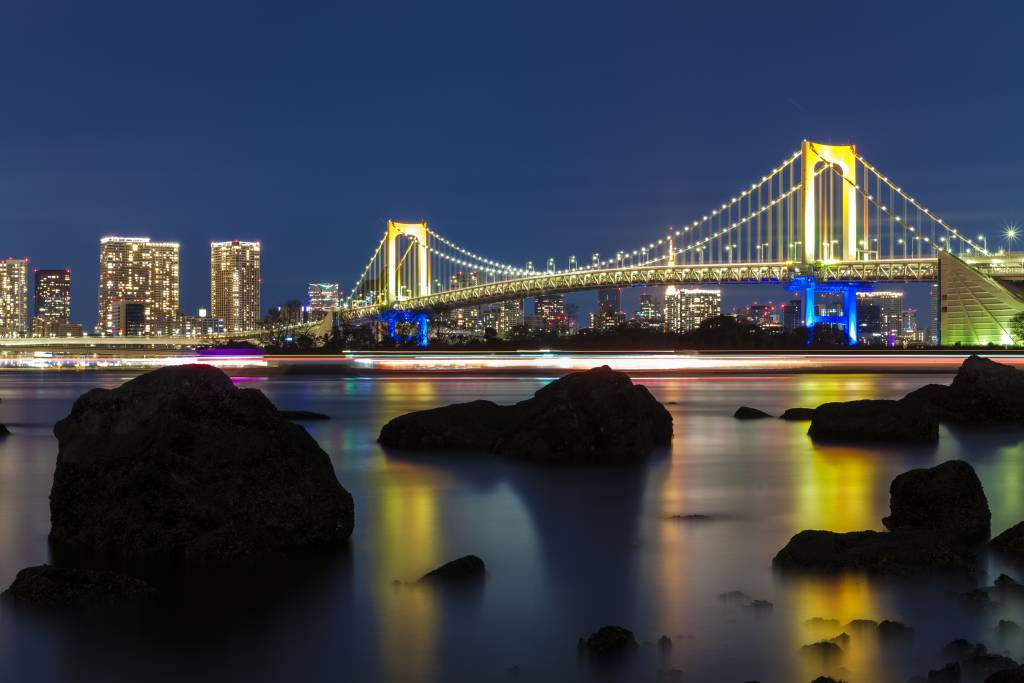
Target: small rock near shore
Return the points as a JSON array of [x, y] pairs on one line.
[[797, 414], [873, 420], [49, 587], [609, 641], [748, 413], [464, 568]]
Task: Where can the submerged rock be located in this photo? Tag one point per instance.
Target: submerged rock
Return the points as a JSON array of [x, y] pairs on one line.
[[303, 415], [609, 641], [1011, 541], [49, 587], [748, 413], [180, 465], [4, 431], [797, 414], [825, 652], [950, 673], [947, 498], [1007, 676], [937, 516], [870, 420], [894, 631], [462, 569], [598, 416], [982, 665]]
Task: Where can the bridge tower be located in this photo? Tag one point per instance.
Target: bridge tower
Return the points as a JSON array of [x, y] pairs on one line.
[[845, 157], [417, 232]]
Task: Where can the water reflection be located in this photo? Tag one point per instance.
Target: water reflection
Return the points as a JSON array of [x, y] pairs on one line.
[[567, 550]]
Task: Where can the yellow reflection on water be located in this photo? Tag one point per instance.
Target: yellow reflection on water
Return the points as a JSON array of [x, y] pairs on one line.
[[836, 488], [407, 537]]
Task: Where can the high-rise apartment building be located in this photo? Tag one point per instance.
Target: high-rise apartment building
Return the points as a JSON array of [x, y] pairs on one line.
[[136, 270], [323, 298], [235, 284], [14, 297], [503, 316], [686, 309], [650, 314], [549, 315], [609, 315], [51, 303]]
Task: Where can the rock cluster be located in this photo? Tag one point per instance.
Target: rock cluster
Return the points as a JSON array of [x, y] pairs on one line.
[[52, 587], [937, 517], [598, 416]]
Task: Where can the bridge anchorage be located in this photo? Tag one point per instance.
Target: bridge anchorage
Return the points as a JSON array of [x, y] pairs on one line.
[[823, 220]]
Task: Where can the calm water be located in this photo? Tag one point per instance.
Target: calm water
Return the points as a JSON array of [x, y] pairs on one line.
[[568, 550]]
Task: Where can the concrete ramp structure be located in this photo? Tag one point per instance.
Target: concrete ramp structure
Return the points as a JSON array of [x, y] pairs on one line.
[[977, 301]]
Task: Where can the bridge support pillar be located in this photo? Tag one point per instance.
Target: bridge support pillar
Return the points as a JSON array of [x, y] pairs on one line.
[[809, 287], [393, 318]]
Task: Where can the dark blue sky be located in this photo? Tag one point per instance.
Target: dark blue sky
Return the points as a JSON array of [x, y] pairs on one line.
[[520, 130]]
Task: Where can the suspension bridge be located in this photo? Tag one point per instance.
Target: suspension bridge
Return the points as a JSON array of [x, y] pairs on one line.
[[824, 220]]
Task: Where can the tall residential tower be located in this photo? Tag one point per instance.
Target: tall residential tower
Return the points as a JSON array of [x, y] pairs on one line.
[[14, 297], [134, 270], [235, 284]]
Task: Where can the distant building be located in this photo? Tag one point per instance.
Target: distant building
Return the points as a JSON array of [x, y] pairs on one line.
[[14, 298], [200, 325], [609, 314], [549, 315], [879, 317], [52, 304], [686, 309], [137, 270], [235, 284], [459, 323], [792, 315], [503, 316], [763, 315], [130, 319], [932, 330], [324, 297], [650, 314]]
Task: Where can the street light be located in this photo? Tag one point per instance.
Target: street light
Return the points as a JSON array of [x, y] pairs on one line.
[[1010, 233]]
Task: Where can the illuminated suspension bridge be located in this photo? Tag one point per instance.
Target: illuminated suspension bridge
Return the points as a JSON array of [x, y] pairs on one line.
[[823, 220]]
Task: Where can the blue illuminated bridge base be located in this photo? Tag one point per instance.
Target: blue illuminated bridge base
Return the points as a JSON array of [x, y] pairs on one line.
[[809, 287], [393, 318]]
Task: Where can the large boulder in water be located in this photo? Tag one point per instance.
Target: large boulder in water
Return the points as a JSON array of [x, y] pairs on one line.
[[1011, 541], [180, 465], [597, 416], [983, 392], [871, 420], [937, 518], [947, 498]]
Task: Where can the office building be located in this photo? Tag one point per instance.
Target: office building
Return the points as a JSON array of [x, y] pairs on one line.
[[136, 270], [686, 309], [14, 297], [650, 314], [549, 315], [879, 317], [235, 284], [503, 317], [792, 315], [324, 297], [130, 319], [609, 314], [51, 303]]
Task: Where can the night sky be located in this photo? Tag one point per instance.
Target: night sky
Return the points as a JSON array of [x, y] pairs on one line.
[[519, 130]]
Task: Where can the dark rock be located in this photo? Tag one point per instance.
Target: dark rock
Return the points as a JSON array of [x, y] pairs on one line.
[[978, 598], [935, 516], [1006, 627], [904, 552], [4, 431], [982, 665], [610, 641], [465, 568], [870, 420], [1004, 581], [180, 465], [862, 626], [825, 653], [797, 414], [961, 649], [302, 415], [760, 606], [748, 413], [820, 622], [947, 674], [1011, 541], [842, 640], [664, 643], [933, 398], [827, 679], [597, 416], [734, 597], [49, 587], [894, 630], [947, 498], [691, 518], [983, 393], [1007, 676]]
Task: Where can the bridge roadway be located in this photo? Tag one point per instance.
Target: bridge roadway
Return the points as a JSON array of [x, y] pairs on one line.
[[892, 270]]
